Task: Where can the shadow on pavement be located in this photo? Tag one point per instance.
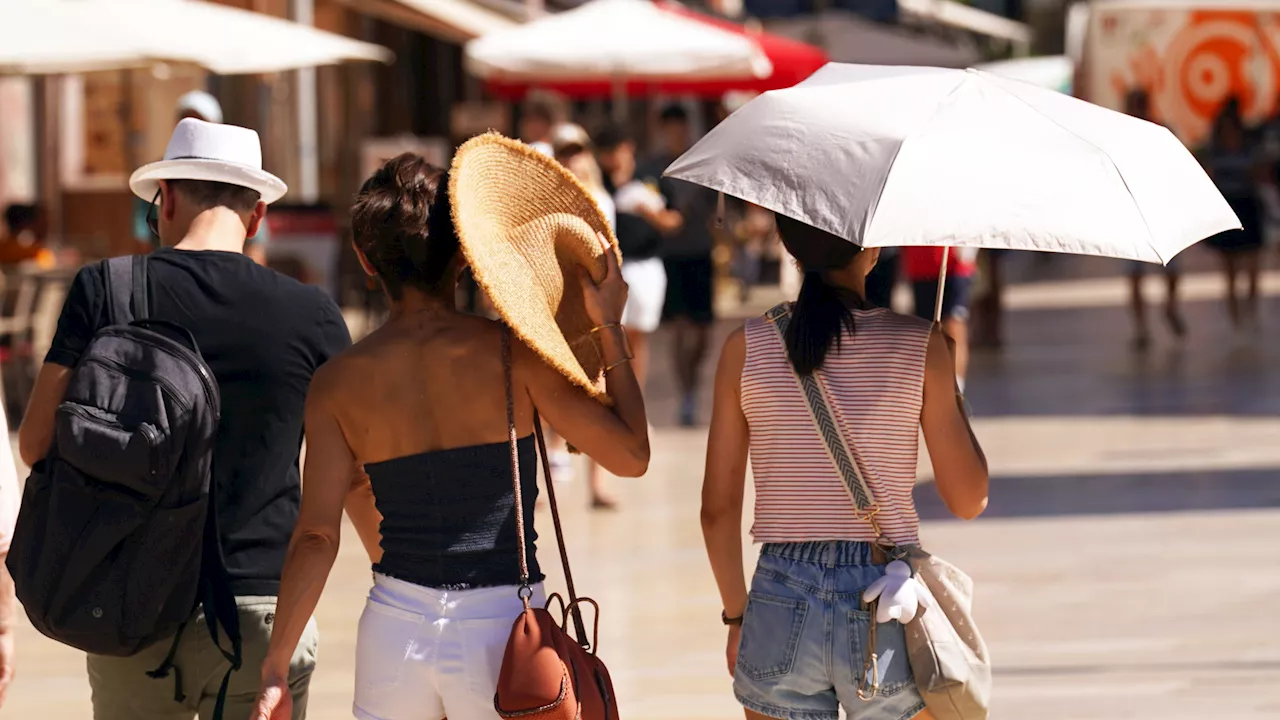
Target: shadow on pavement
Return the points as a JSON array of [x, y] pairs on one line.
[[1080, 361], [1017, 497]]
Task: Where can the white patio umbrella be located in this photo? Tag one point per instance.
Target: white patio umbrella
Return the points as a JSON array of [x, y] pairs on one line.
[[40, 37], [608, 39], [891, 156], [615, 41]]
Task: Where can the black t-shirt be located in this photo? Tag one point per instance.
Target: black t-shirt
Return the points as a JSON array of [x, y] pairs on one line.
[[696, 203], [263, 335]]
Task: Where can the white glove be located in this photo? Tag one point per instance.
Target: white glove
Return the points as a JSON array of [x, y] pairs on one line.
[[899, 594]]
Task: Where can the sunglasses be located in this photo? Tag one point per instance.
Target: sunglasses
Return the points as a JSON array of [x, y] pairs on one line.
[[153, 220]]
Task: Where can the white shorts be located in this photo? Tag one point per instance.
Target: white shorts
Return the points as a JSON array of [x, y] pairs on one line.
[[424, 654], [646, 293]]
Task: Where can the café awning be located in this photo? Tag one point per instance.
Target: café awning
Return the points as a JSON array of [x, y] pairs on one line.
[[456, 21]]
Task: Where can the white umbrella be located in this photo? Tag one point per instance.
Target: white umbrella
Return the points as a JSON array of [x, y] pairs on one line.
[[612, 40], [887, 156], [67, 36]]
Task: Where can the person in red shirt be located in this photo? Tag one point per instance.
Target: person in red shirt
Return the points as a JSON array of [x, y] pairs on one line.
[[921, 266]]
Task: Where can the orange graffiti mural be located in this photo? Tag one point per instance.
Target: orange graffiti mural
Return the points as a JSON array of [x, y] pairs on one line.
[[1190, 67]]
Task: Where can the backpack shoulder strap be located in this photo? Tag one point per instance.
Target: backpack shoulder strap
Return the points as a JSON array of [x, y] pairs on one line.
[[141, 291], [127, 296], [119, 276], [824, 420]]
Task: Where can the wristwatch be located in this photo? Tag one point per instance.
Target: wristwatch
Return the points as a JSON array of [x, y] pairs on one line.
[[724, 617]]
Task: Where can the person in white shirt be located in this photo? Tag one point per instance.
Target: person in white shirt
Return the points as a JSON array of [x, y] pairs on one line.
[[571, 147]]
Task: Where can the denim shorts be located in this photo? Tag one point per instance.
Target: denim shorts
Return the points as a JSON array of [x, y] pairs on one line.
[[804, 638]]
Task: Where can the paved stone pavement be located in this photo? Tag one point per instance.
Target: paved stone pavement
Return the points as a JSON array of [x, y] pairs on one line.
[[1126, 567]]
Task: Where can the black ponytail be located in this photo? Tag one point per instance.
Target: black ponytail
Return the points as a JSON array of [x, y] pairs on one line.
[[818, 317], [823, 311]]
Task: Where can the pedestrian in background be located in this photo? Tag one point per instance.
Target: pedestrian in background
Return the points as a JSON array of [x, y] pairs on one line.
[[1234, 164], [1138, 104], [539, 116], [687, 253], [884, 277], [572, 148]]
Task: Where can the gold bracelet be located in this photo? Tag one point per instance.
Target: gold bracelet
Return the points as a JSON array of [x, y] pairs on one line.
[[618, 364], [608, 326]]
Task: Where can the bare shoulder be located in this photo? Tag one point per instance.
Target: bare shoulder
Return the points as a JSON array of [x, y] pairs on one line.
[[736, 342], [733, 356], [330, 378], [343, 371], [938, 359]]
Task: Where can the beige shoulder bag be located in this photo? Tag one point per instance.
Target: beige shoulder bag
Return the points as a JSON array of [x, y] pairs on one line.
[[948, 657]]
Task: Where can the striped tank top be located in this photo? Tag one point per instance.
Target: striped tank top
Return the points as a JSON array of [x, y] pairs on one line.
[[876, 381]]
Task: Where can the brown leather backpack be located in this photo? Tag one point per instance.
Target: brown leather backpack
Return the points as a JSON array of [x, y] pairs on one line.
[[547, 674]]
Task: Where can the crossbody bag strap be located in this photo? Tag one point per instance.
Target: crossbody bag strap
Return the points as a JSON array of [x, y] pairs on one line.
[[575, 611], [824, 420], [525, 591]]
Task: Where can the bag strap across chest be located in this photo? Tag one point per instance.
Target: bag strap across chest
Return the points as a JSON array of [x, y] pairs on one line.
[[836, 443]]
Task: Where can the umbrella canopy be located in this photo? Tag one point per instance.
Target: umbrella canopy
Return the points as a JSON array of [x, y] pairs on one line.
[[69, 36], [1053, 72], [607, 41], [792, 61], [897, 156]]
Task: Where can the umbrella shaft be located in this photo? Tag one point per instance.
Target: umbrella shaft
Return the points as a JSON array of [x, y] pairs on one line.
[[942, 285]]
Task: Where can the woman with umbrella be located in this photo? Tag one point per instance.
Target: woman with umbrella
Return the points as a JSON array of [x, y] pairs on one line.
[[827, 397], [813, 538]]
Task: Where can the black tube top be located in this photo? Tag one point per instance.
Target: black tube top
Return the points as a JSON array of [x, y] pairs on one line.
[[448, 517]]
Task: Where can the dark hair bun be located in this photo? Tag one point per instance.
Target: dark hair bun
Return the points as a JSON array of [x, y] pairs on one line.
[[402, 224]]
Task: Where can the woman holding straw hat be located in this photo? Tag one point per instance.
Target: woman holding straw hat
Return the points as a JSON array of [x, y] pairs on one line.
[[413, 430]]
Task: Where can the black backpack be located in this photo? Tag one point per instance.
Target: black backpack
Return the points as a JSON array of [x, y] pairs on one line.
[[116, 542]]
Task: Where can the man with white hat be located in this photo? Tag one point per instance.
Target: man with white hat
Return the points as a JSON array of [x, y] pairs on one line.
[[263, 335], [200, 105]]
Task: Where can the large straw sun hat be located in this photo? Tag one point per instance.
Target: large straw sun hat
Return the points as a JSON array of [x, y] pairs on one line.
[[526, 225]]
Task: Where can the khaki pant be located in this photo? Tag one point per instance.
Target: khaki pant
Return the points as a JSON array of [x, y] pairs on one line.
[[122, 690]]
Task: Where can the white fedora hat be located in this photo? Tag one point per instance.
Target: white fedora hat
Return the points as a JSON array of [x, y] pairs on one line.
[[206, 151]]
